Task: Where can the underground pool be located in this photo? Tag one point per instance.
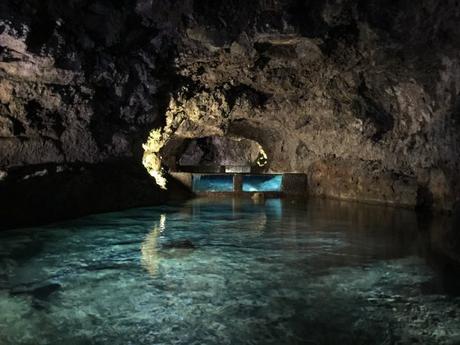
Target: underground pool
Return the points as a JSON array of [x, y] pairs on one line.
[[228, 271]]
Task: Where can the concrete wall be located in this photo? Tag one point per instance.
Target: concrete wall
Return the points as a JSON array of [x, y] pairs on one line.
[[292, 184], [183, 178]]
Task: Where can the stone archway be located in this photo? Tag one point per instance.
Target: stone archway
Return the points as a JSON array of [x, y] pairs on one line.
[[204, 117], [202, 154], [218, 151]]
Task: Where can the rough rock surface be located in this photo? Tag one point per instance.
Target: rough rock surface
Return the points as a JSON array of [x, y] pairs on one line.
[[362, 96], [222, 151]]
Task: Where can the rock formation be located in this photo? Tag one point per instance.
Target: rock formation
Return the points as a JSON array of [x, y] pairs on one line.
[[362, 96]]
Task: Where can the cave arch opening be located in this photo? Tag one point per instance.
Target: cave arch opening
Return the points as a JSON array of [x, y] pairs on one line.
[[217, 154], [204, 154]]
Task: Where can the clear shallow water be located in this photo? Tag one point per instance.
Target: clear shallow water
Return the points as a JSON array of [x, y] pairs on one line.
[[227, 272], [212, 183]]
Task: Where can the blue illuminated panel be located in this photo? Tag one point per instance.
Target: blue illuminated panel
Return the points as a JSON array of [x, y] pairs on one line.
[[212, 183], [262, 183]]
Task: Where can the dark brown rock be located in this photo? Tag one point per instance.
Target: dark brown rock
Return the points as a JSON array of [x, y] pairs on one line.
[[58, 193], [361, 96]]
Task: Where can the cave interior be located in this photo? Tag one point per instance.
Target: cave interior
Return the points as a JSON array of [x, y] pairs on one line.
[[229, 172]]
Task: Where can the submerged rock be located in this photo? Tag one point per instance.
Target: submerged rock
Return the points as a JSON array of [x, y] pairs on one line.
[[258, 198], [41, 292], [177, 249], [44, 292], [179, 244]]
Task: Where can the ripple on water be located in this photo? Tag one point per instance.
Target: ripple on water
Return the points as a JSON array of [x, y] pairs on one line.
[[225, 272]]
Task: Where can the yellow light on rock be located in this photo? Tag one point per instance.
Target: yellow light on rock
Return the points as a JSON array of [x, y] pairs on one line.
[[262, 159], [152, 160]]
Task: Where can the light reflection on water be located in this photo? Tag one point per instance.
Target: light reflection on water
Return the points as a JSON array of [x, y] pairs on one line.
[[228, 271], [149, 247]]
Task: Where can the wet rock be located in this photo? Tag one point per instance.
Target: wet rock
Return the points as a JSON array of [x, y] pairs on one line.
[[361, 181]]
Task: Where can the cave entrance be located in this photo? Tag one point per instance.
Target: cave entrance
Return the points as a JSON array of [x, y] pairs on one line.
[[216, 154], [217, 164]]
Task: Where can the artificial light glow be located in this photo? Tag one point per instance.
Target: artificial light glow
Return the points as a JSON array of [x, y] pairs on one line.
[[152, 160], [262, 159]]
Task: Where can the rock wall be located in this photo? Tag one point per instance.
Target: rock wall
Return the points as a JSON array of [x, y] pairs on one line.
[[80, 81], [81, 85], [220, 151], [363, 96]]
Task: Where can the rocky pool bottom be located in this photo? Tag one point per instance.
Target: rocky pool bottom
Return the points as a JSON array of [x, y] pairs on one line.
[[229, 271]]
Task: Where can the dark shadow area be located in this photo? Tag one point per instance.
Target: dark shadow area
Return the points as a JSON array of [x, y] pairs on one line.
[[30, 198]]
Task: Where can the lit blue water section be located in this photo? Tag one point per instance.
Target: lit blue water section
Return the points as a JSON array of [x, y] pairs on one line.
[[212, 183], [228, 272], [262, 183]]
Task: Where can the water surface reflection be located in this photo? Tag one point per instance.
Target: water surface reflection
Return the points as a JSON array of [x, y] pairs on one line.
[[231, 271]]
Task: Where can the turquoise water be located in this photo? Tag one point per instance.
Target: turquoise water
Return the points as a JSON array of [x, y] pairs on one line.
[[262, 183], [212, 183], [227, 272], [224, 183]]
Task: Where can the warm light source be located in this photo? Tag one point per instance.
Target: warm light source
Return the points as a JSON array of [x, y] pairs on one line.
[[151, 159], [262, 159]]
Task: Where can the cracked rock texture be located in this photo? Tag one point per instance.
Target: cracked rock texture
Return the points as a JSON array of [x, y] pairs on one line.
[[361, 96]]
